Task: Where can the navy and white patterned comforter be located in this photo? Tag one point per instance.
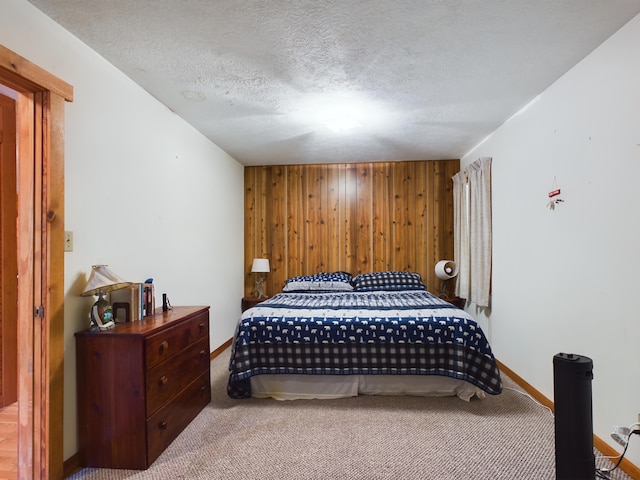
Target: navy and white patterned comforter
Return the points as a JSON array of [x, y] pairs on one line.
[[353, 333]]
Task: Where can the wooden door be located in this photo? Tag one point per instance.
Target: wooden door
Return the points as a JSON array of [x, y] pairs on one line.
[[8, 255]]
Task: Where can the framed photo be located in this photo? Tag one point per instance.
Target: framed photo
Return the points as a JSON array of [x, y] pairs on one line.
[[126, 303]]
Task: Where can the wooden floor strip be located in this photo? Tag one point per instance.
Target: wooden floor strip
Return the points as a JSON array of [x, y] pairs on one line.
[[9, 442]]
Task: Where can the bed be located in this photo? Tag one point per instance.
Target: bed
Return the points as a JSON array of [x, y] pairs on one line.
[[330, 336]]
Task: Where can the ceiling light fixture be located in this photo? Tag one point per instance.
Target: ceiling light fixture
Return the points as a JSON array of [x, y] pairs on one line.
[[339, 112], [342, 124]]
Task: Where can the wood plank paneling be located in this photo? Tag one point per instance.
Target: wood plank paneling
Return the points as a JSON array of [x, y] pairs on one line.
[[333, 218], [277, 220], [295, 230], [364, 223], [350, 237], [401, 225], [420, 215], [249, 227], [317, 237], [382, 241], [354, 217]]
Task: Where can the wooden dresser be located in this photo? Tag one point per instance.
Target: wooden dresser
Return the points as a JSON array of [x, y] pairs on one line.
[[139, 385]]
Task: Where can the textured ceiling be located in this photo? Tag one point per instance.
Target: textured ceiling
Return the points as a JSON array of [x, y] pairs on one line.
[[420, 79]]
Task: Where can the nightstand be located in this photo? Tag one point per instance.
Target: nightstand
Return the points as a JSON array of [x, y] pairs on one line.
[[457, 301], [248, 302]]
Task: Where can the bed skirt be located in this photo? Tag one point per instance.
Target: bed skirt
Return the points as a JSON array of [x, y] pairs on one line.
[[297, 387]]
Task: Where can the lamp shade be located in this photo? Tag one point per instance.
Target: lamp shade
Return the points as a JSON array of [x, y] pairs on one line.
[[446, 269], [103, 280], [260, 265]]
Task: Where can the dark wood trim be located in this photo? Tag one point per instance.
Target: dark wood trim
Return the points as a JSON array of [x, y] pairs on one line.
[[603, 447], [527, 387], [20, 74], [40, 138], [221, 348], [8, 254], [53, 223], [71, 465]]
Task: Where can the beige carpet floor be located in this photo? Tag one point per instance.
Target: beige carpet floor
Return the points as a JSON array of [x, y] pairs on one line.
[[508, 436]]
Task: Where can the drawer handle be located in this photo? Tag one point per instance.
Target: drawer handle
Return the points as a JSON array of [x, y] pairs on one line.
[[201, 326], [164, 346], [163, 425], [202, 353], [164, 380]]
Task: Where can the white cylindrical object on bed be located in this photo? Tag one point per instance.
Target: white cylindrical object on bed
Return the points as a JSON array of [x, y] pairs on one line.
[[446, 269]]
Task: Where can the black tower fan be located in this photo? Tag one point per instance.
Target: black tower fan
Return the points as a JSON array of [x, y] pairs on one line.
[[572, 376]]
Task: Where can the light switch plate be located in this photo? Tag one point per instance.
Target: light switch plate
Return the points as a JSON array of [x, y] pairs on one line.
[[68, 241]]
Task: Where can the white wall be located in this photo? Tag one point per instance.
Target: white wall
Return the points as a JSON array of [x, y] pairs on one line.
[[568, 280], [145, 193]]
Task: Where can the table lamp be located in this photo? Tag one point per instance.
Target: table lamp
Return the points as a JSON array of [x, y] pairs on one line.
[[101, 281], [260, 265], [445, 270]]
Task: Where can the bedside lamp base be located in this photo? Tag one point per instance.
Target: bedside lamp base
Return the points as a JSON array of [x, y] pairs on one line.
[[260, 288]]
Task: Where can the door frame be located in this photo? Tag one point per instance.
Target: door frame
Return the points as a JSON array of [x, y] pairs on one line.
[[8, 253], [40, 201]]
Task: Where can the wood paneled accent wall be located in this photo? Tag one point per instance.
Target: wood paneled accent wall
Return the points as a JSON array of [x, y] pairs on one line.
[[358, 218]]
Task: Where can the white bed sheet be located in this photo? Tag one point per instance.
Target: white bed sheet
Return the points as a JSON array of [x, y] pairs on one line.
[[297, 387]]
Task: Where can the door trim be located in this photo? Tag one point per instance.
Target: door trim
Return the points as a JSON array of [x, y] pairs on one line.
[[8, 253], [40, 163]]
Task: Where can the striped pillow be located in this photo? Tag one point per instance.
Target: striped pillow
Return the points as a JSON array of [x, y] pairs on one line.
[[319, 282], [367, 282]]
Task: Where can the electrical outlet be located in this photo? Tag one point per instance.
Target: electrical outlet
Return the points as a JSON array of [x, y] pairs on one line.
[[68, 241]]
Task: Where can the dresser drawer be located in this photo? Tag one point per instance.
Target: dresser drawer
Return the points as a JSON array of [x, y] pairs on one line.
[[165, 425], [163, 345], [167, 379], [139, 384]]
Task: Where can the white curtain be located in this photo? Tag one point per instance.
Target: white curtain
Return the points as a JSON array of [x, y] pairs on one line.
[[472, 231], [461, 253]]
